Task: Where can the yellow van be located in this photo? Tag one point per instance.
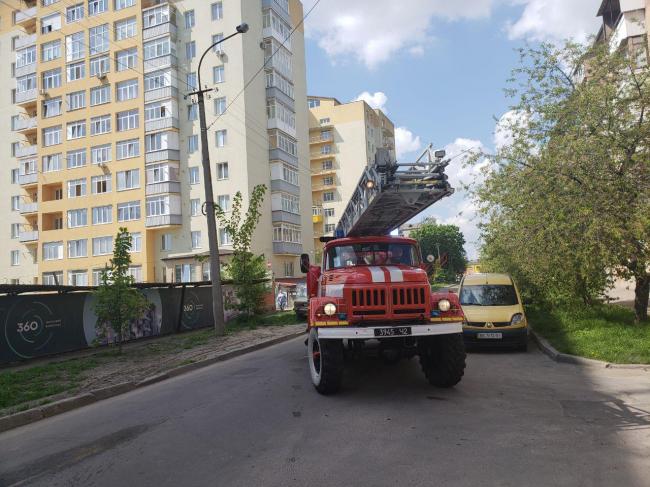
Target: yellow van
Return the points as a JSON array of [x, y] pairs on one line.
[[494, 314]]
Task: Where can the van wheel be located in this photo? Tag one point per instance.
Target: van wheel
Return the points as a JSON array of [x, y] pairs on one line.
[[442, 359], [325, 359]]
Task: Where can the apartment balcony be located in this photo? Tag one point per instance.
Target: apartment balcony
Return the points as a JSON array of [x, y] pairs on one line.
[[28, 179], [28, 236], [26, 151], [322, 187], [25, 70], [163, 187], [280, 155], [287, 248], [285, 187], [160, 94], [317, 139], [270, 32], [280, 7], [28, 208], [323, 172], [317, 218], [630, 24], [159, 30], [24, 124], [274, 63], [26, 97], [162, 155], [163, 220], [321, 155], [278, 94], [25, 17], [280, 216], [24, 41], [161, 124], [277, 123], [162, 62]]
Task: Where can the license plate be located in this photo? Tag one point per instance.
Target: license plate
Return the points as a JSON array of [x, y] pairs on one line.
[[393, 332], [498, 336]]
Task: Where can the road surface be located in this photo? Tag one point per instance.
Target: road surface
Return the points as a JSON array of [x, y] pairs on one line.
[[515, 419]]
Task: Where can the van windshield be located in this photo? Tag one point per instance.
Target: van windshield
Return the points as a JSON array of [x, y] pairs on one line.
[[371, 254], [488, 295]]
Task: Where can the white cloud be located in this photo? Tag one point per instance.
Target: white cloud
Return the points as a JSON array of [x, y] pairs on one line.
[[406, 142], [555, 20], [503, 130], [375, 100]]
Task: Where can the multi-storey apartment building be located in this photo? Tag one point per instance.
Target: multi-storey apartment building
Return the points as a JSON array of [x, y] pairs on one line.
[[103, 136], [343, 140], [624, 25]]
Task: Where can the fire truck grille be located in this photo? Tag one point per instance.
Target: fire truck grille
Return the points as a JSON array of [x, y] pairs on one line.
[[409, 297], [368, 297], [377, 302]]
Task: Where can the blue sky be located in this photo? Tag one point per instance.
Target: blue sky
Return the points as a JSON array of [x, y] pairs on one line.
[[437, 67]]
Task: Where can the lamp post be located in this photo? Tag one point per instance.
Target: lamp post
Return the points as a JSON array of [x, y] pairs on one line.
[[215, 267]]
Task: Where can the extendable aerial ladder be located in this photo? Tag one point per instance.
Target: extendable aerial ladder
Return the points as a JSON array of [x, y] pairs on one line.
[[390, 193]]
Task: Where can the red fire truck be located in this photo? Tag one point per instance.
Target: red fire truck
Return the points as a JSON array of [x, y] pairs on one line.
[[373, 289]]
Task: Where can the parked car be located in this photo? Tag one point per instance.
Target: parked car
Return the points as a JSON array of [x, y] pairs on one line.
[[494, 315], [300, 302]]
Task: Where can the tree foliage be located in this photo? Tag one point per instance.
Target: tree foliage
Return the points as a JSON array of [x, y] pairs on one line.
[[118, 303], [567, 199], [437, 239], [247, 270]]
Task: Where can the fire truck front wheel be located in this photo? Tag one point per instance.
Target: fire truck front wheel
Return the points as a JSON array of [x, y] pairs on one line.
[[442, 359], [325, 362]]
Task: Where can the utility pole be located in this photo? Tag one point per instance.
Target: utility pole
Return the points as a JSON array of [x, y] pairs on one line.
[[208, 208]]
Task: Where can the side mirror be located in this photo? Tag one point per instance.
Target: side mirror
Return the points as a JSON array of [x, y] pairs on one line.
[[304, 263]]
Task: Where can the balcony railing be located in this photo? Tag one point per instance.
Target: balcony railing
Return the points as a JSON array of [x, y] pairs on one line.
[[26, 96], [31, 178], [31, 207], [28, 236], [160, 93], [21, 124], [25, 70], [24, 41], [26, 151], [160, 124], [25, 15], [159, 30], [322, 187], [319, 154], [168, 61], [162, 155], [321, 138], [287, 248], [163, 187], [163, 220]]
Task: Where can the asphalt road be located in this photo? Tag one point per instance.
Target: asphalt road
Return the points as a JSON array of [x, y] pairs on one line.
[[516, 419]]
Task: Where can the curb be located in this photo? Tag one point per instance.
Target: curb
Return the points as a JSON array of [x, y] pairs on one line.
[[68, 404], [566, 358]]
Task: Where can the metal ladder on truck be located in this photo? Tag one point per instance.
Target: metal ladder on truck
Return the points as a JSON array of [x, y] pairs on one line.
[[390, 193]]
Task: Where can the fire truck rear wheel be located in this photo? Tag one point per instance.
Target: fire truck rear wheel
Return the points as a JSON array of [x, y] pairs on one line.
[[443, 359], [325, 363]]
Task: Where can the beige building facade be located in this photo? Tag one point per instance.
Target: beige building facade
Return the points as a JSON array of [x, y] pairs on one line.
[[343, 140], [624, 25], [102, 135]]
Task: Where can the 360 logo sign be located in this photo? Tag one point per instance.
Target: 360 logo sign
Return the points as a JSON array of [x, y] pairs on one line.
[[29, 327]]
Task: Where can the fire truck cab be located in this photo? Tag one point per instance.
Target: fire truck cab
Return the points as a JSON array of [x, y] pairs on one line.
[[376, 288]]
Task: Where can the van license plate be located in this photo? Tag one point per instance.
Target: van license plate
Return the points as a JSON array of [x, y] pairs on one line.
[[393, 332], [498, 336]]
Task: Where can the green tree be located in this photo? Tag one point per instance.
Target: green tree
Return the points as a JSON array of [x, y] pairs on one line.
[[567, 199], [118, 303], [247, 270], [437, 240]]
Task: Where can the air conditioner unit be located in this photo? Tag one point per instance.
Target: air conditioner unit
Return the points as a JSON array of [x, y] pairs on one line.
[[44, 93], [221, 54], [101, 76]]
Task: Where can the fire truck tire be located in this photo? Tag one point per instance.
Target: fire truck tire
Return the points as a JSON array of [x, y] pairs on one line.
[[325, 363], [443, 359]]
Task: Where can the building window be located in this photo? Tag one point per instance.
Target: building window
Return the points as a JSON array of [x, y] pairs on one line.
[[53, 278], [220, 105], [128, 120], [98, 39], [52, 78], [192, 112], [277, 110], [224, 237], [15, 203], [125, 28], [15, 257], [191, 81], [53, 251], [76, 100], [102, 245], [126, 59], [218, 74], [76, 188], [77, 248], [135, 271], [100, 95], [222, 170], [158, 79], [192, 143], [329, 228], [77, 278], [120, 4], [102, 215], [52, 136], [195, 207], [100, 154], [128, 179], [158, 173], [52, 107], [327, 165], [51, 163], [196, 239], [76, 158], [97, 276], [136, 242], [126, 90], [217, 10], [100, 184], [290, 203], [195, 177], [166, 241], [100, 125], [313, 102], [50, 23], [329, 212], [221, 137], [75, 47], [128, 211], [158, 206], [328, 196], [76, 130], [14, 176], [51, 51], [190, 20], [223, 201], [77, 218], [288, 269], [74, 13], [184, 273], [324, 121], [97, 6], [158, 48], [155, 111], [328, 181], [15, 230], [128, 148], [76, 71], [190, 50], [217, 38], [100, 65]]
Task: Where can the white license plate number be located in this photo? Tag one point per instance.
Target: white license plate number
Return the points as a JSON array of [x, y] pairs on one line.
[[490, 336]]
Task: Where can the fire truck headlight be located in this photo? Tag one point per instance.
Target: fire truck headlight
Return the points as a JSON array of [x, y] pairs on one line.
[[330, 309], [444, 305]]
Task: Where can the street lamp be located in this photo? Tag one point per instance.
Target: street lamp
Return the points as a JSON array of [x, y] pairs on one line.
[[215, 267]]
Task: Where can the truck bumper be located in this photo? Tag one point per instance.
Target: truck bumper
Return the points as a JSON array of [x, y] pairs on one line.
[[369, 331]]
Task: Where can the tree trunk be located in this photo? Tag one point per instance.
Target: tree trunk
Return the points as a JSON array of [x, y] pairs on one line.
[[641, 292]]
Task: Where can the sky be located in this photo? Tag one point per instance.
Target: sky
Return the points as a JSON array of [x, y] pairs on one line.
[[437, 68]]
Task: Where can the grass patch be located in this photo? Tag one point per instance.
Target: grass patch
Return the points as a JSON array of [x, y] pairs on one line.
[[20, 386], [603, 332], [279, 318]]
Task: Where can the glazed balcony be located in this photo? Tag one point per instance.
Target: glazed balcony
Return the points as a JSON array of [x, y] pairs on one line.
[[163, 220], [160, 93], [160, 124], [161, 62], [24, 41], [25, 124], [28, 236], [26, 97], [28, 179], [24, 70], [27, 208], [167, 28], [26, 17], [287, 248], [162, 155], [26, 151]]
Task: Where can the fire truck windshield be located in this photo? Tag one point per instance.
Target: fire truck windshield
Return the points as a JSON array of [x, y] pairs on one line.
[[371, 254]]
